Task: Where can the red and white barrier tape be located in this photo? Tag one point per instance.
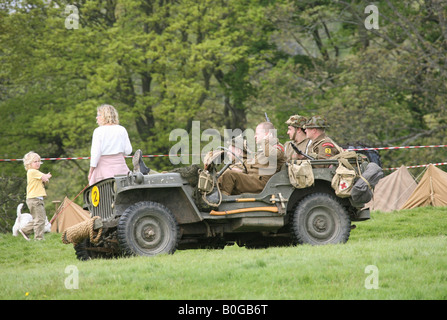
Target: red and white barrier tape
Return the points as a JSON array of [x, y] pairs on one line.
[[358, 149], [167, 155], [419, 166], [84, 158], [395, 148]]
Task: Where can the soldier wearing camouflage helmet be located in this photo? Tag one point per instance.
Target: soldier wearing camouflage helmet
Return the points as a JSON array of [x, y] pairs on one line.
[[321, 147], [297, 135]]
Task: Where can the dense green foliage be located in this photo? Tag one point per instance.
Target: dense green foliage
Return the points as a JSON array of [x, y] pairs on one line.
[[407, 247], [166, 63]]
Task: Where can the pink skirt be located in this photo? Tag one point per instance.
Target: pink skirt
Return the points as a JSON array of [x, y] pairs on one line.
[[109, 166]]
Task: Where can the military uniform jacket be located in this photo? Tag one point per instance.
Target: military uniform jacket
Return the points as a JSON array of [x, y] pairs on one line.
[[268, 159], [324, 147], [237, 166], [291, 154]]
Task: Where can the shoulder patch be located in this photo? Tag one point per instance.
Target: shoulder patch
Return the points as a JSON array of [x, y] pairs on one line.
[[279, 147], [328, 144]]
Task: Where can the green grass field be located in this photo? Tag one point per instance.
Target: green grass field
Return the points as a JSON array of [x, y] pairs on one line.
[[407, 251]]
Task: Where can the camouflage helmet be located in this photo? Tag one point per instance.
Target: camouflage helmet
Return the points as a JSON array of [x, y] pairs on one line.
[[316, 122], [296, 121]]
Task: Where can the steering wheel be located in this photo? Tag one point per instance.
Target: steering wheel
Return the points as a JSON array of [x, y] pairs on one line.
[[229, 164]]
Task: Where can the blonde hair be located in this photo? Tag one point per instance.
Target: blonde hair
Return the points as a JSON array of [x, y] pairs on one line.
[[109, 114], [29, 158]]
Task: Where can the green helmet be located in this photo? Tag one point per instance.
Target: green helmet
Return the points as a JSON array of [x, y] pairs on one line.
[[316, 122], [296, 121]]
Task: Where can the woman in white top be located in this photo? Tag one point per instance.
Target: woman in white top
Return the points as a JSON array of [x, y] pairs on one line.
[[110, 145]]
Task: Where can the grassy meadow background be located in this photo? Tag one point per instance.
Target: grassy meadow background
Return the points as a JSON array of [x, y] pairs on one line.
[[408, 247]]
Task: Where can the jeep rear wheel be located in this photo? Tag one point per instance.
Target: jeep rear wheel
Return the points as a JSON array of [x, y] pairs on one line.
[[147, 229], [320, 219]]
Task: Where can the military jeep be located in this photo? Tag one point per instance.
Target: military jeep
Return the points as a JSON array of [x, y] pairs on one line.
[[160, 213]]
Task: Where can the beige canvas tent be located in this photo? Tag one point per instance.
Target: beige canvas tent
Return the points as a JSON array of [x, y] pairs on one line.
[[431, 190], [68, 214], [393, 191]]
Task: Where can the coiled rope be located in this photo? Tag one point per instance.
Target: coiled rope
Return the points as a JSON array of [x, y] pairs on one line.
[[75, 234]]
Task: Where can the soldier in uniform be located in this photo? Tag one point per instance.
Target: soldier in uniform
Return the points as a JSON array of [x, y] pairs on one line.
[[238, 146], [297, 136], [267, 160], [321, 147]]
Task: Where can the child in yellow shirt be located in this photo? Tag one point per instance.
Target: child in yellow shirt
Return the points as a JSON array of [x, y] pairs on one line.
[[35, 193]]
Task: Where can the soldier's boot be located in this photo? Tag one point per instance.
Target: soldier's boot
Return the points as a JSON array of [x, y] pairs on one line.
[[138, 164]]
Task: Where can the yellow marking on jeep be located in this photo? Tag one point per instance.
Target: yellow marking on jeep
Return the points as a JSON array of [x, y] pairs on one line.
[[95, 196]]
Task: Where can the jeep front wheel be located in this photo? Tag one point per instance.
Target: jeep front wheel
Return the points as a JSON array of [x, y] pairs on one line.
[[320, 219], [147, 228]]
